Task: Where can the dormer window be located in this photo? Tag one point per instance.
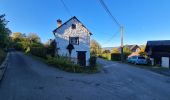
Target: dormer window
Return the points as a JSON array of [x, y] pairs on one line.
[[73, 26], [74, 40]]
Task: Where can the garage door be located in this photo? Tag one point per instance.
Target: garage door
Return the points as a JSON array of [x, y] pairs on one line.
[[165, 62]]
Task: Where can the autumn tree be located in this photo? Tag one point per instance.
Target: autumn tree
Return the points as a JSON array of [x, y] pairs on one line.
[[33, 38], [17, 37], [126, 50], [115, 50], [95, 47]]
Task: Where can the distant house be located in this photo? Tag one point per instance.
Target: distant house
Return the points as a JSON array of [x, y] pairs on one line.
[[159, 52], [133, 48], [73, 34]]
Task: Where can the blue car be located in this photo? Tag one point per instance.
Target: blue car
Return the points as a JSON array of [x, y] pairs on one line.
[[137, 60]]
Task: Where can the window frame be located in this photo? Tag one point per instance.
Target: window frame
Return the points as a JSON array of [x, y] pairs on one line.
[[76, 38]]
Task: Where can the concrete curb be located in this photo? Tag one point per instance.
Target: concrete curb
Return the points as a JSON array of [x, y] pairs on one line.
[[3, 66]]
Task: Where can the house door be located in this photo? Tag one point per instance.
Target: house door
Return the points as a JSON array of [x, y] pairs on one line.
[[81, 55], [165, 62]]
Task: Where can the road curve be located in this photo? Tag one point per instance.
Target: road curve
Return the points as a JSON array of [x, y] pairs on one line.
[[29, 79]]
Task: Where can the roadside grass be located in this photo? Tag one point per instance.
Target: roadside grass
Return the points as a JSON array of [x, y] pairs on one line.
[[65, 65]]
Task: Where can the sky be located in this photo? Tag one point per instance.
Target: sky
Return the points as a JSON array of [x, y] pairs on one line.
[[142, 20]]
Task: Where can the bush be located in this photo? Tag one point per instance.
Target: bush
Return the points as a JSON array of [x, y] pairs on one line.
[[39, 51], [117, 56], [92, 61], [18, 46], [106, 56], [64, 63], [2, 56]]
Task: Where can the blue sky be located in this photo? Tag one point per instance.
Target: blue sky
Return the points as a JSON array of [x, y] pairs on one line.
[[143, 19]]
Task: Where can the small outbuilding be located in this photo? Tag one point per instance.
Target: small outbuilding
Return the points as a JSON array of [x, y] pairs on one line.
[[159, 52]]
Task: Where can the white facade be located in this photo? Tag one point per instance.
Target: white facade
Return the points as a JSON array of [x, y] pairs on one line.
[[63, 34]]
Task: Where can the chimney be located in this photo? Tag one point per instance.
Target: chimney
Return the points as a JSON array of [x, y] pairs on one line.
[[59, 23]]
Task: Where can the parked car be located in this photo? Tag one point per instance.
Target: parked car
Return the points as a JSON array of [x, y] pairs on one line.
[[137, 60]]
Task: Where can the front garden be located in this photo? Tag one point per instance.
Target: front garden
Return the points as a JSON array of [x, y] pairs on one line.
[[46, 55]]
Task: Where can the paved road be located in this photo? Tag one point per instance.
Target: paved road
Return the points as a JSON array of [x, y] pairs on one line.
[[29, 79]]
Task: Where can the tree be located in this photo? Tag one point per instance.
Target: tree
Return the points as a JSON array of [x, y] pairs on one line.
[[142, 51], [17, 37], [34, 38], [115, 50], [4, 32], [95, 47], [126, 50]]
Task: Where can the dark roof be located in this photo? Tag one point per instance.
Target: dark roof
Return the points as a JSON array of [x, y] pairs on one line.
[[158, 43], [74, 17]]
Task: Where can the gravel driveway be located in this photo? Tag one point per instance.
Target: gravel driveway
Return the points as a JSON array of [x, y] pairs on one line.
[[30, 79]]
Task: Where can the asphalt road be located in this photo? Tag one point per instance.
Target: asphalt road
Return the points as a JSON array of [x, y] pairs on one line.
[[30, 79]]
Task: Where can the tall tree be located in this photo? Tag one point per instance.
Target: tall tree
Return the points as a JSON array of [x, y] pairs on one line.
[[95, 47], [4, 32], [17, 37], [34, 38]]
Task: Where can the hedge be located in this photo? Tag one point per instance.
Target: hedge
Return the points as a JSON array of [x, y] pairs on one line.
[[39, 51], [117, 56]]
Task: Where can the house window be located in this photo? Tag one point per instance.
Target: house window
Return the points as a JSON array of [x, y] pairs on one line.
[[73, 26], [74, 40]]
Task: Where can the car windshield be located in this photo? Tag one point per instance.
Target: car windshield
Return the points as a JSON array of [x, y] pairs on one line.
[[141, 57]]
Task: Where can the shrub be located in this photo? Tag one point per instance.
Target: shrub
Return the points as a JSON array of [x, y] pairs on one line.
[[117, 56], [106, 56], [64, 63], [92, 61], [18, 46]]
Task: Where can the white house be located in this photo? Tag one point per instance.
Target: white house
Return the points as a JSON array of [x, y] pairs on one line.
[[73, 33]]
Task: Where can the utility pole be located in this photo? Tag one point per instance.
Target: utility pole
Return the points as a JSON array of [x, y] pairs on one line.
[[118, 24], [122, 37]]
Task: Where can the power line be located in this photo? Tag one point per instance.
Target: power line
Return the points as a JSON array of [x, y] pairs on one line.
[[109, 13], [114, 35], [66, 8]]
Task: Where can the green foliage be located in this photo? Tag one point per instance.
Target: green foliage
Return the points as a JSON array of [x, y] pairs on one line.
[[106, 51], [33, 38], [65, 64], [127, 50], [117, 56], [4, 32], [106, 56], [115, 50], [92, 61], [2, 56], [17, 46]]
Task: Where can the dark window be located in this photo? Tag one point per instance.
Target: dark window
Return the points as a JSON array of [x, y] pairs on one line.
[[73, 26], [74, 40], [141, 58]]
